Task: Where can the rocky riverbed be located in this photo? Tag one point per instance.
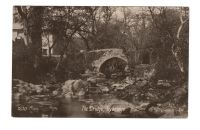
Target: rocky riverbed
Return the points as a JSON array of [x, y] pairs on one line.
[[96, 96]]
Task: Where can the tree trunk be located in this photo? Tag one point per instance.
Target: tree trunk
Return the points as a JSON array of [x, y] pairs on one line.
[[36, 35], [177, 52], [62, 55], [177, 47], [25, 24]]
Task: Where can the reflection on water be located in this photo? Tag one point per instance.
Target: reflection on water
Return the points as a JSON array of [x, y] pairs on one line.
[[70, 108], [44, 106]]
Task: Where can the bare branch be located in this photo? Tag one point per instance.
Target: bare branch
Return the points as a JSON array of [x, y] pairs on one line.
[[151, 9], [85, 40]]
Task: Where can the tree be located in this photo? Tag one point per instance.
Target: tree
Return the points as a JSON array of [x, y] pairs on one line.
[[88, 31], [169, 24], [67, 24], [180, 45], [31, 18]]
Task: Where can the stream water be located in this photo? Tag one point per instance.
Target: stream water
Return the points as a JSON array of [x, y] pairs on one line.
[[46, 106]]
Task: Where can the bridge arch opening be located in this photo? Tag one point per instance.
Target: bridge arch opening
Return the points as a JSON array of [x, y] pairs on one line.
[[112, 66]]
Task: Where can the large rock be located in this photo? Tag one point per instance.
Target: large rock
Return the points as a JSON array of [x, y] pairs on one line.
[[25, 88], [74, 88], [103, 88], [163, 83], [130, 80], [119, 86], [96, 80], [141, 83]]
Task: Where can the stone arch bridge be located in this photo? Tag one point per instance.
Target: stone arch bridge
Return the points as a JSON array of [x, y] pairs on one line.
[[97, 58], [111, 61]]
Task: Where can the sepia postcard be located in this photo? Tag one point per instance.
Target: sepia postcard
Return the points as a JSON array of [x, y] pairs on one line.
[[100, 61]]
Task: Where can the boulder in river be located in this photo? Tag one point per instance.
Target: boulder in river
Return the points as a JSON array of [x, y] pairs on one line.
[[96, 79], [26, 88], [75, 88], [163, 83], [103, 88], [141, 83], [119, 86]]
